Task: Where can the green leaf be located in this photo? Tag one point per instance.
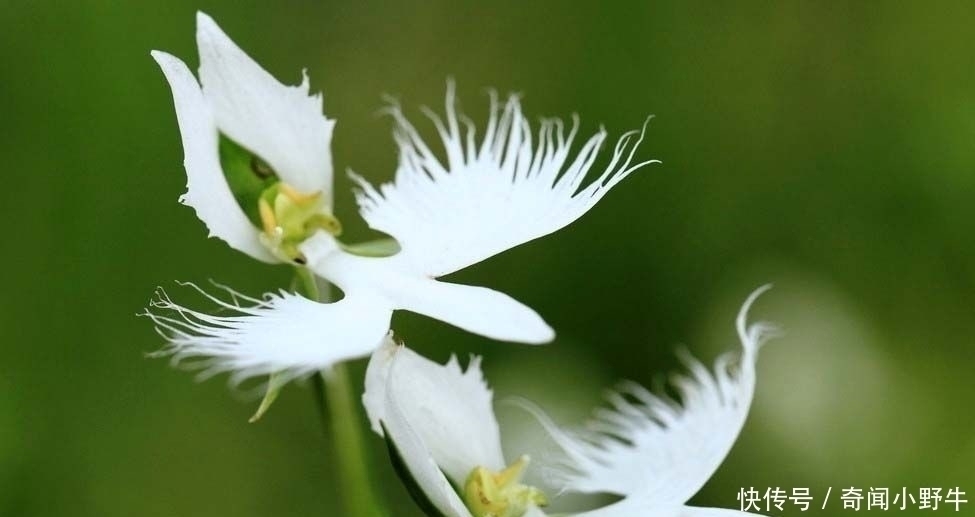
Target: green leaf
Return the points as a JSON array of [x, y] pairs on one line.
[[275, 382], [419, 497], [377, 248]]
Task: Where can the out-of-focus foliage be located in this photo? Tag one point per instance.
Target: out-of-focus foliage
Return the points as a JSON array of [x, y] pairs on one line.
[[826, 148]]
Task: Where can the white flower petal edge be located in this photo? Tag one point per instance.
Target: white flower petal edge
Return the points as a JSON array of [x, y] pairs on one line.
[[656, 452], [672, 448], [448, 408], [283, 333], [489, 196], [283, 124], [207, 191], [417, 459]]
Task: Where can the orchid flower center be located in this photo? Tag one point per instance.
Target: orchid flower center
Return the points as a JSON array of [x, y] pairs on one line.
[[285, 216], [501, 494], [288, 217]]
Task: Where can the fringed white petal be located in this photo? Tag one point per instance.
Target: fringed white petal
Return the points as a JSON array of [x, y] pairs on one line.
[[282, 332], [655, 451], [449, 409], [207, 191], [284, 125], [490, 196]]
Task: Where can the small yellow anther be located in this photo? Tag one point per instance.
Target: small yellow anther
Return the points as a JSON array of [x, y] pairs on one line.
[[513, 472], [298, 197], [289, 217], [268, 219]]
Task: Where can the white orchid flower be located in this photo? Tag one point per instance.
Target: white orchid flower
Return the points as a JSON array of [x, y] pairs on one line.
[[648, 449], [259, 175]]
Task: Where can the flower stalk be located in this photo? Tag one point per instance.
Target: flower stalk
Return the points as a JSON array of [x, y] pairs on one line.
[[337, 402]]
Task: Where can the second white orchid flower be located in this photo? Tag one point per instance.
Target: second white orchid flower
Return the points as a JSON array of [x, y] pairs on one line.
[[652, 451], [259, 175]]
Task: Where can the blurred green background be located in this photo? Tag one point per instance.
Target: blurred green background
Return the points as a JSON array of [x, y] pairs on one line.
[[826, 148]]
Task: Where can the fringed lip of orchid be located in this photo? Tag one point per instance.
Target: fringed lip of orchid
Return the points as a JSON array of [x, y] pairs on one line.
[[651, 450], [259, 175], [279, 333]]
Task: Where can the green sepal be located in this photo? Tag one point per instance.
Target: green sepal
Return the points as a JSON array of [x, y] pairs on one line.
[[275, 382], [419, 497], [247, 175], [377, 248]]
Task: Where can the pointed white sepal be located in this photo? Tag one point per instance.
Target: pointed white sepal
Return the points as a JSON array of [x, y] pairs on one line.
[[207, 191], [282, 124], [490, 196]]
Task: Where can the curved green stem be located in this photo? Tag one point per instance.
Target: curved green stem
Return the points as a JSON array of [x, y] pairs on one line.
[[337, 403]]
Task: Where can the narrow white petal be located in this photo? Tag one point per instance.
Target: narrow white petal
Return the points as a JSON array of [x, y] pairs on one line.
[[490, 196], [284, 125], [207, 191], [475, 309], [447, 408], [657, 452], [279, 333]]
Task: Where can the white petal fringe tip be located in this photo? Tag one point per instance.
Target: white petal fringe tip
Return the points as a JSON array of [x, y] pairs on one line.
[[653, 450], [282, 333], [489, 196]]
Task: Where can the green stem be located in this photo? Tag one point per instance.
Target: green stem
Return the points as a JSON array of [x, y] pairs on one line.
[[360, 498], [337, 403], [307, 286]]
